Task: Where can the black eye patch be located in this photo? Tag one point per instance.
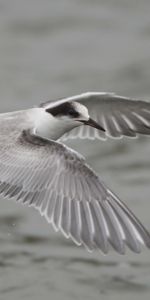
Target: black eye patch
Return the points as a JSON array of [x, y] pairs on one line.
[[64, 109], [73, 113]]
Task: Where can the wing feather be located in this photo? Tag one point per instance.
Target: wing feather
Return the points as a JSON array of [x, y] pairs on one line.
[[75, 226], [56, 181], [100, 236], [65, 222]]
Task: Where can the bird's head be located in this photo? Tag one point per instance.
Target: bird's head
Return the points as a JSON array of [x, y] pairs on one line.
[[72, 112]]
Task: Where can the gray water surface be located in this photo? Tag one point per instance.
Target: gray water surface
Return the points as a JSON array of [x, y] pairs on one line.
[[50, 49]]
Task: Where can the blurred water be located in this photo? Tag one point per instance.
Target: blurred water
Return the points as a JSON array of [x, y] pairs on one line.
[[50, 49]]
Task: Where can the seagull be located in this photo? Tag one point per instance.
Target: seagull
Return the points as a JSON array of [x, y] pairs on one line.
[[38, 169]]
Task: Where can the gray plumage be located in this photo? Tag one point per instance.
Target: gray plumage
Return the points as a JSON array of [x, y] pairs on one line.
[[56, 180]]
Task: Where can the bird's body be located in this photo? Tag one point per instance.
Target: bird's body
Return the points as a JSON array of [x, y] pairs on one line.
[[37, 169]]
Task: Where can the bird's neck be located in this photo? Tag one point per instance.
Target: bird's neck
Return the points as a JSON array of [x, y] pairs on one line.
[[47, 126]]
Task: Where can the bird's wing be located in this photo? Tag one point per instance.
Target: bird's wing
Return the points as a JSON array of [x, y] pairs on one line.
[[56, 180], [119, 116]]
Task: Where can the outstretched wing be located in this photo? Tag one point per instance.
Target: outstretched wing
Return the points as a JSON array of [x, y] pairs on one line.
[[119, 116], [56, 181]]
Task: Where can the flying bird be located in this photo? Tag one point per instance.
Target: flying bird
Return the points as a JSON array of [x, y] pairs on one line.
[[38, 169]]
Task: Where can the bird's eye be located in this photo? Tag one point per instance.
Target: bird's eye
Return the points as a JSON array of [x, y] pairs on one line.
[[73, 113]]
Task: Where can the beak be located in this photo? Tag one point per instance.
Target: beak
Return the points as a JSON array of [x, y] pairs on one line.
[[94, 124]]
